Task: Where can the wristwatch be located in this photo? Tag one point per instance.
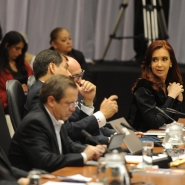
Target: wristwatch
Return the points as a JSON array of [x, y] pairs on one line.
[[90, 106]]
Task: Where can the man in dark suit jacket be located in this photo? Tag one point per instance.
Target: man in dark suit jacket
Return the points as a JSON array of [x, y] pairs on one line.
[[77, 75], [9, 174], [48, 63], [41, 141]]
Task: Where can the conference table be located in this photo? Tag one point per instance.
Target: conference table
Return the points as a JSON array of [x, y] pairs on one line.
[[152, 178], [159, 179]]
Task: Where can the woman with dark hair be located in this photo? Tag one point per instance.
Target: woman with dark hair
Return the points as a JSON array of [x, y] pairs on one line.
[[60, 40], [12, 63], [160, 85]]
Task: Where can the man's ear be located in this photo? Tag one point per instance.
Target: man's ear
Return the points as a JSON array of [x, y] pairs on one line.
[[51, 101], [52, 68]]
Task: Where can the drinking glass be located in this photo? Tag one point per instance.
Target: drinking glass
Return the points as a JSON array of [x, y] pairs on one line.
[[34, 177], [147, 153], [100, 173]]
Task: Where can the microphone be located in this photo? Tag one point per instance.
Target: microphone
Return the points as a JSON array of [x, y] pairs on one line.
[[164, 113], [128, 127], [173, 111], [90, 137]]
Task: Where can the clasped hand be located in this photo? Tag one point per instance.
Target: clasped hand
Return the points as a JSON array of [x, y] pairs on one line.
[[175, 90]]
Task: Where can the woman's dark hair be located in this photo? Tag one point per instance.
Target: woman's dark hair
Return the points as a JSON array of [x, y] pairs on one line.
[[54, 33], [173, 73], [10, 39]]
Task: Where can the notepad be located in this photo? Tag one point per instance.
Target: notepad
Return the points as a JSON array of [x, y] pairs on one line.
[[155, 133]]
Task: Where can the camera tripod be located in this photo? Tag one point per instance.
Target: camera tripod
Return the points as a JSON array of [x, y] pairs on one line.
[[153, 19]]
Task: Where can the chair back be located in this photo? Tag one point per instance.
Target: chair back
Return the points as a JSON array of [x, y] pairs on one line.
[[31, 81], [16, 101], [5, 137]]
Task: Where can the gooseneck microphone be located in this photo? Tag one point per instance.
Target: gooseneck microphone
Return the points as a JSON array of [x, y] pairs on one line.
[[164, 113], [173, 111], [90, 137]]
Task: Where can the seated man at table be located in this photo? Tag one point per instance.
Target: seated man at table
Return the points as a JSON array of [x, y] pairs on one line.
[[48, 63], [77, 75], [41, 141]]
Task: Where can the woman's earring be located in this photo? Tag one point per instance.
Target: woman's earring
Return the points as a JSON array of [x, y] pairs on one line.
[[170, 65]]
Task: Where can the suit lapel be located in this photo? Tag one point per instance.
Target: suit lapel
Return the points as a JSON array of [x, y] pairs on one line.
[[64, 140], [51, 127]]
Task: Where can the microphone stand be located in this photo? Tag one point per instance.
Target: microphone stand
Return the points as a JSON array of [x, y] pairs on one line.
[[174, 111], [164, 113]]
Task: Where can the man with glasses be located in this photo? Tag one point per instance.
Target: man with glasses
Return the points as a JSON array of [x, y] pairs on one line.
[[102, 134], [41, 140], [46, 64]]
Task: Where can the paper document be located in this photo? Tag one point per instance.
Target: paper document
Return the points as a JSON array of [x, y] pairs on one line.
[[77, 177], [155, 133], [163, 127], [139, 158]]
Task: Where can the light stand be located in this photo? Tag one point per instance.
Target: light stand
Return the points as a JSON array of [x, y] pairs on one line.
[[153, 19], [121, 11]]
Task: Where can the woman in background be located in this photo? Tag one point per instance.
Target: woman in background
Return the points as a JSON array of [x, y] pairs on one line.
[[12, 63], [60, 40], [160, 85]]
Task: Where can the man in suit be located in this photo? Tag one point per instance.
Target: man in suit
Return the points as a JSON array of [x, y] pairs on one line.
[[41, 141], [76, 72], [10, 175], [48, 63]]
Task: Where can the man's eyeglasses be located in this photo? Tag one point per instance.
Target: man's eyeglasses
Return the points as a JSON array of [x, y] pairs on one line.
[[78, 75], [72, 105]]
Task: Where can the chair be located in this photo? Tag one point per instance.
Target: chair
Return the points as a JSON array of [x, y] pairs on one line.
[[16, 101], [31, 81], [5, 137]]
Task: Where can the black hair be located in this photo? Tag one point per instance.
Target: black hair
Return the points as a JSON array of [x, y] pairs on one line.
[[10, 39]]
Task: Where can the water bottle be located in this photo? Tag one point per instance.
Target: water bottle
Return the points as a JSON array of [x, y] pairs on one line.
[[173, 142], [115, 170]]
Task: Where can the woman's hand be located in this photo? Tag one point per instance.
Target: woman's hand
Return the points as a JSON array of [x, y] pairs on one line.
[[25, 88], [175, 90]]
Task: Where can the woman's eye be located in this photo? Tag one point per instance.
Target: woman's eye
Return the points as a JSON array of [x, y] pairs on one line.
[[154, 59], [165, 59]]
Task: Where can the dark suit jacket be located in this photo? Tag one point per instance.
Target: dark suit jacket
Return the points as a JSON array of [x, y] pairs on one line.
[[9, 174], [143, 115], [34, 144], [78, 121]]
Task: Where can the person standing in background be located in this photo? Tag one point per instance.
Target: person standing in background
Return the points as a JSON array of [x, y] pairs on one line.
[[61, 40]]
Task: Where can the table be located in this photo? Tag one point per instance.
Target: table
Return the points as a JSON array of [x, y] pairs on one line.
[[89, 171]]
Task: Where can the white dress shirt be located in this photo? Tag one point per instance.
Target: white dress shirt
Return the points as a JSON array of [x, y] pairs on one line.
[[57, 126]]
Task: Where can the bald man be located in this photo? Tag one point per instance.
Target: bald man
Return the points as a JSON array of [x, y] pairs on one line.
[[77, 73]]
